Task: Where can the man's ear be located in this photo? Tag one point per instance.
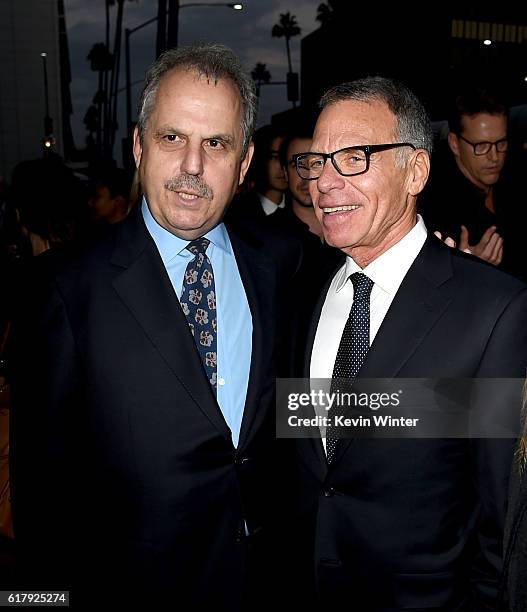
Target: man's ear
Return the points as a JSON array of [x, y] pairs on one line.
[[419, 171], [453, 143], [246, 162], [138, 149]]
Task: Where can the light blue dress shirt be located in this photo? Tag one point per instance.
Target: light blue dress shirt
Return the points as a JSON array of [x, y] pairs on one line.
[[234, 317]]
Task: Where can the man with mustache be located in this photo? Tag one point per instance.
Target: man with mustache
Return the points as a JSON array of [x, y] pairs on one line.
[[144, 413]]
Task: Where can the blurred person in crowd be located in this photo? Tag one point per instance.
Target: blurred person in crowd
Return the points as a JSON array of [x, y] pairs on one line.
[[109, 201], [397, 524], [49, 200], [40, 212], [299, 141], [266, 176], [469, 196]]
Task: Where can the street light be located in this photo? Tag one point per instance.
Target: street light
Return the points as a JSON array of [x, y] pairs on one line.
[[48, 139], [237, 6]]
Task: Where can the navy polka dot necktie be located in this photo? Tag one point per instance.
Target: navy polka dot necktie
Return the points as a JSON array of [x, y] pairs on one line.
[[198, 301], [354, 345]]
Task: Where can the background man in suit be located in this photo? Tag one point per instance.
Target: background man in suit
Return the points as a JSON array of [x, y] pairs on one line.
[[143, 417], [475, 193], [460, 197], [398, 524]]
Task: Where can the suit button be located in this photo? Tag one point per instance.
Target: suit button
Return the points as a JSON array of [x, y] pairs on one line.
[[329, 492], [240, 534], [241, 460]]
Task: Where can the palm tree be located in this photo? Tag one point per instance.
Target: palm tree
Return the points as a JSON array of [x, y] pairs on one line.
[[326, 11], [260, 75], [287, 27]]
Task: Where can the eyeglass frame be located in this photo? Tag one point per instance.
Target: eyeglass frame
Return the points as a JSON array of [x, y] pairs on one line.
[[367, 149], [486, 142]]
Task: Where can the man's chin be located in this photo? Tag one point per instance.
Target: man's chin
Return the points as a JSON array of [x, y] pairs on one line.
[[492, 176], [305, 204]]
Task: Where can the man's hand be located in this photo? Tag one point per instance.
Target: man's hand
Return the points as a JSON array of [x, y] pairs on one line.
[[489, 248], [448, 241]]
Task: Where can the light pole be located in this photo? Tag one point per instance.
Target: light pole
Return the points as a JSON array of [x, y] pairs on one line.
[[48, 121], [173, 14]]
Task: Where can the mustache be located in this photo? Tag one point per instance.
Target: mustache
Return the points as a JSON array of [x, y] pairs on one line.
[[191, 183]]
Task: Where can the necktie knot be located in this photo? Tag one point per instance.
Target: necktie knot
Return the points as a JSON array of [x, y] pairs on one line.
[[199, 245], [362, 286]]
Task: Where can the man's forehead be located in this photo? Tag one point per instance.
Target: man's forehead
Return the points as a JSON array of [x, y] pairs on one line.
[[369, 121], [180, 92], [180, 72], [298, 144], [482, 122]]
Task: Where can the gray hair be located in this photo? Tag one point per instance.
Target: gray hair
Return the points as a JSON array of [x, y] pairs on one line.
[[412, 123], [214, 61]]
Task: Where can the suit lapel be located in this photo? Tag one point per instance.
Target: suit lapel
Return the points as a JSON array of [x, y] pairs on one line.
[[416, 307], [315, 444], [259, 282], [145, 288]]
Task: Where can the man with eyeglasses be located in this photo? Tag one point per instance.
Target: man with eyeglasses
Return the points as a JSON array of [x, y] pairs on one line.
[[467, 197], [397, 524]]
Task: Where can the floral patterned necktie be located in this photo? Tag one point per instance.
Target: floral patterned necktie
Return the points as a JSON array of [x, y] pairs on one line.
[[198, 301]]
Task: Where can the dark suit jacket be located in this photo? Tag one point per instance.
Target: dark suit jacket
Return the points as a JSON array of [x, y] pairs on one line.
[[397, 524], [123, 468], [246, 207]]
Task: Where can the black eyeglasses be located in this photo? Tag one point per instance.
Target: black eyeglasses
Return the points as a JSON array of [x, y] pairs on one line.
[[482, 148], [348, 161]]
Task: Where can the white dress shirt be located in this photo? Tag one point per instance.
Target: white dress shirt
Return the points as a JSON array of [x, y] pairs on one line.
[[387, 273]]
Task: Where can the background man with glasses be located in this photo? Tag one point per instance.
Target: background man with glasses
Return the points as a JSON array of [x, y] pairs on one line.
[[393, 524], [468, 197]]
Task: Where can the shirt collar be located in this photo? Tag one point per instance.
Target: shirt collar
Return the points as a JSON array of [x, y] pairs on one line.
[[270, 207], [388, 270], [169, 245]]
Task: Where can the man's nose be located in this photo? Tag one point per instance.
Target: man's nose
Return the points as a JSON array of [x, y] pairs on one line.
[[329, 179], [192, 162], [493, 153]]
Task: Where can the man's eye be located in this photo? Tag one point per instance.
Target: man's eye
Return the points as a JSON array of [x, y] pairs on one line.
[[215, 144], [171, 137]]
